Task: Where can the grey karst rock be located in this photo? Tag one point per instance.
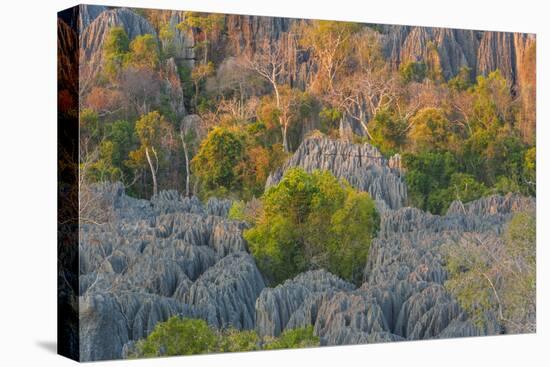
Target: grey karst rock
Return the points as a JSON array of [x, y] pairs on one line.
[[103, 328], [424, 315], [481, 51], [463, 327], [108, 321], [343, 312], [94, 35], [494, 205], [276, 306], [154, 259], [170, 201], [183, 43], [227, 291], [172, 87], [87, 13], [218, 207], [361, 165], [222, 235]]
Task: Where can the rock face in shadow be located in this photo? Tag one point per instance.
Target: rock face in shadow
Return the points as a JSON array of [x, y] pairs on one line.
[[361, 165], [154, 259]]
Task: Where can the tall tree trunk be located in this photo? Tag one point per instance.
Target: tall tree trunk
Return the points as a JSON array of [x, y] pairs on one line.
[[186, 153], [284, 128], [153, 172]]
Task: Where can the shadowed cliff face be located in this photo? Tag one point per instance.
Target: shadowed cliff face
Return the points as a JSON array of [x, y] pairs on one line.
[[173, 255]]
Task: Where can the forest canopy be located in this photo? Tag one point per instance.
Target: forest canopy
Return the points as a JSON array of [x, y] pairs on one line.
[[253, 108], [311, 221]]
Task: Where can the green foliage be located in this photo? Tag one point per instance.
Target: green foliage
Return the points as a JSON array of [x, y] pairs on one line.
[[184, 73], [310, 221], [89, 124], [462, 186], [115, 49], [236, 212], [219, 153], [413, 71], [144, 52], [294, 338], [462, 81], [492, 101], [182, 336], [431, 130], [530, 170], [427, 173], [178, 337], [329, 118], [239, 341], [352, 224], [388, 132]]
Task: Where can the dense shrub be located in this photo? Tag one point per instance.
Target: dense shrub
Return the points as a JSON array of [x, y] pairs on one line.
[[182, 336], [311, 221]]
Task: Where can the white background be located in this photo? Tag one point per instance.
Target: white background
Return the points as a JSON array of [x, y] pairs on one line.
[[28, 181]]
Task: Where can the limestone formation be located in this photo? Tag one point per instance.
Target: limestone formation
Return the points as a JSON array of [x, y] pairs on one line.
[[228, 291], [363, 166], [155, 259]]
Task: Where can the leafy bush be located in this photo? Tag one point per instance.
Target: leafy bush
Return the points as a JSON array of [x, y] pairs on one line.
[[427, 173], [178, 337], [182, 336], [294, 338], [312, 221], [413, 71], [217, 158], [239, 341]]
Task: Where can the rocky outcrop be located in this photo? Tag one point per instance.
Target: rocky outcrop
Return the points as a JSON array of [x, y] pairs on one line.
[[363, 166], [481, 51], [277, 307], [228, 291], [87, 14], [154, 259], [93, 36], [402, 297], [110, 320]]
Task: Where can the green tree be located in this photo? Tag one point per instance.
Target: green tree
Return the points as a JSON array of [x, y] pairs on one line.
[[462, 81], [154, 133], [388, 132], [431, 130], [239, 341], [294, 338], [218, 155], [178, 337], [115, 51], [493, 104], [198, 76], [462, 186], [427, 173], [144, 52], [413, 71], [207, 23], [331, 44], [312, 221]]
